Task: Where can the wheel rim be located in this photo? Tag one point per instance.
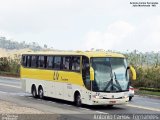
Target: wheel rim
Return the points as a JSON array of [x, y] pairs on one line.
[[34, 93], [78, 101], [41, 93]]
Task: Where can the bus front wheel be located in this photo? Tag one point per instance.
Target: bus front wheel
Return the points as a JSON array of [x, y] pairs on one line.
[[130, 98], [78, 101]]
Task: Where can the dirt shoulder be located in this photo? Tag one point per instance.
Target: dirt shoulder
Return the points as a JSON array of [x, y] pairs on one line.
[[12, 111], [11, 108]]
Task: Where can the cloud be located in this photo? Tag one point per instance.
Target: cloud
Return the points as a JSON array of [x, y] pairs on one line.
[[60, 23], [113, 36], [147, 35], [123, 36]]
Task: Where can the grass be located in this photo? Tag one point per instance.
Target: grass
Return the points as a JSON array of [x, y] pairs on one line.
[[150, 89], [8, 74], [144, 92]]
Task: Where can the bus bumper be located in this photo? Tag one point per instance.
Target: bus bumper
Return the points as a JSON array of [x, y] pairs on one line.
[[96, 101]]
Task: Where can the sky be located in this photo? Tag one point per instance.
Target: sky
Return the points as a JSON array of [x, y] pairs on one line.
[[82, 24]]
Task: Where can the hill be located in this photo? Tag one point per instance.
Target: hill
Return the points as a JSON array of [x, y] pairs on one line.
[[13, 45]]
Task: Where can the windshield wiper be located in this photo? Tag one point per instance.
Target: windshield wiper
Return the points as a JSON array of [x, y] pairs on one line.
[[118, 85], [110, 82]]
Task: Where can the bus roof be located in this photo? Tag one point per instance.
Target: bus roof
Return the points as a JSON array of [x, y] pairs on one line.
[[85, 53]]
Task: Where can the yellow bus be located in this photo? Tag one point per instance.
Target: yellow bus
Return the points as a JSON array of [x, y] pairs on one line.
[[90, 77]]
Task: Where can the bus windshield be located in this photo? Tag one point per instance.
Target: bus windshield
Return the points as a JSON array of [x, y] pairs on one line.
[[110, 74]]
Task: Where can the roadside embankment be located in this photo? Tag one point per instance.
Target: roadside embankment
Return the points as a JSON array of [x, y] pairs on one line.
[[148, 94]]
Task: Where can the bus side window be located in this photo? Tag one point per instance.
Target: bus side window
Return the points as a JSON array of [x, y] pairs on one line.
[[34, 61], [28, 61], [65, 63], [41, 63], [57, 62], [49, 62], [75, 63]]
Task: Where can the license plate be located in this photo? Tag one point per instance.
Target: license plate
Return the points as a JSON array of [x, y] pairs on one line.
[[112, 102]]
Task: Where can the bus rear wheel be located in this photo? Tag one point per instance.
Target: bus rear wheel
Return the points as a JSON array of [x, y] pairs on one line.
[[78, 101], [40, 93], [34, 92]]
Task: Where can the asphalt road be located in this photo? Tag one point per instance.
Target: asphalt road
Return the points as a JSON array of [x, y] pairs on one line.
[[10, 90]]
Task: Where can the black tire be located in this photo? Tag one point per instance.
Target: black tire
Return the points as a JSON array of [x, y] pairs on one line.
[[78, 101], [130, 98], [34, 92], [40, 93]]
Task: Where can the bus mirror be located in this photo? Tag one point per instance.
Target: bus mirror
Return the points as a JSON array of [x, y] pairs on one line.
[[133, 71], [91, 74]]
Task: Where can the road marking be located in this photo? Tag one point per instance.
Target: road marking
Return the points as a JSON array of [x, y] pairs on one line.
[[102, 112], [68, 105], [142, 107], [10, 85], [96, 111], [50, 102], [3, 92], [84, 108]]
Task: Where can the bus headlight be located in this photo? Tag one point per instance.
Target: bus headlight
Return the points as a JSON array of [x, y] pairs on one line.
[[97, 96]]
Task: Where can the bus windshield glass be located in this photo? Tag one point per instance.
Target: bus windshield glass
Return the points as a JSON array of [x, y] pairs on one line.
[[110, 74]]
